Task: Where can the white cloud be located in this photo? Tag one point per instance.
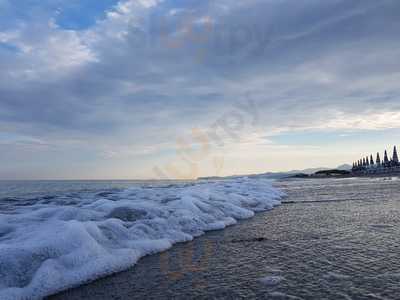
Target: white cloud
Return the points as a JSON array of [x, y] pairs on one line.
[[131, 86]]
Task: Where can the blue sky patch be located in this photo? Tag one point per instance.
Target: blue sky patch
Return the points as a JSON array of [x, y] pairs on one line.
[[80, 15], [8, 47]]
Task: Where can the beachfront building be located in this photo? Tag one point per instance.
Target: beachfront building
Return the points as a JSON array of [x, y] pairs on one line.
[[367, 165]]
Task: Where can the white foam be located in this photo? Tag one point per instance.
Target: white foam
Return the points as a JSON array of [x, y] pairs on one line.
[[52, 246]]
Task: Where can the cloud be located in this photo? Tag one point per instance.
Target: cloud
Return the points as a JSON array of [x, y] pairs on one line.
[[146, 72]]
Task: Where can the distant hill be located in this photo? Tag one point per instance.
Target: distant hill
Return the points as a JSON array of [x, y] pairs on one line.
[[279, 175], [334, 172], [344, 167]]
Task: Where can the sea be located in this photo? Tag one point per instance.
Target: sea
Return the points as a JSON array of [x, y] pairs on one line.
[[329, 239], [55, 235]]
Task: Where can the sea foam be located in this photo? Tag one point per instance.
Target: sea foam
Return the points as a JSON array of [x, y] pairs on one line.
[[53, 245]]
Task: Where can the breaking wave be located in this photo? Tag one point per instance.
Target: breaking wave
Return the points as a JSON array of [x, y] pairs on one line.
[[60, 242]]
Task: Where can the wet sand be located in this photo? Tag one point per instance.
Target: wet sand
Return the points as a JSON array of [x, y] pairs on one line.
[[332, 239]]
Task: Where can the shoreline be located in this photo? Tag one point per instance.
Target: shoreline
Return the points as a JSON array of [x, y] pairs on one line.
[[383, 175], [318, 249]]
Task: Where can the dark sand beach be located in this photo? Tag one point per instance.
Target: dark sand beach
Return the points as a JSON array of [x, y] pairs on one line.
[[330, 239]]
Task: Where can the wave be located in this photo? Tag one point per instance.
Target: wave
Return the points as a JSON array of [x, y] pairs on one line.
[[59, 243]]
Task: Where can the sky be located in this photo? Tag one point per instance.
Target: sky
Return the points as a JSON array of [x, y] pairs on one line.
[[139, 89]]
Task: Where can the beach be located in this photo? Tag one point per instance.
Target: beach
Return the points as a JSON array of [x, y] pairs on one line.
[[214, 149], [331, 239]]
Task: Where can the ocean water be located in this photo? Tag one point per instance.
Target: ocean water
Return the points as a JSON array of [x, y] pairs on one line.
[[330, 239], [56, 235]]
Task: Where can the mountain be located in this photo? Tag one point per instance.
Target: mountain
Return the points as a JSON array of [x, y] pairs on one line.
[[279, 175], [345, 167]]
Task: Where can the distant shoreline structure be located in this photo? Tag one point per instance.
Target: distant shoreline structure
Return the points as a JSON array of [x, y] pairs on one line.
[[367, 165]]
